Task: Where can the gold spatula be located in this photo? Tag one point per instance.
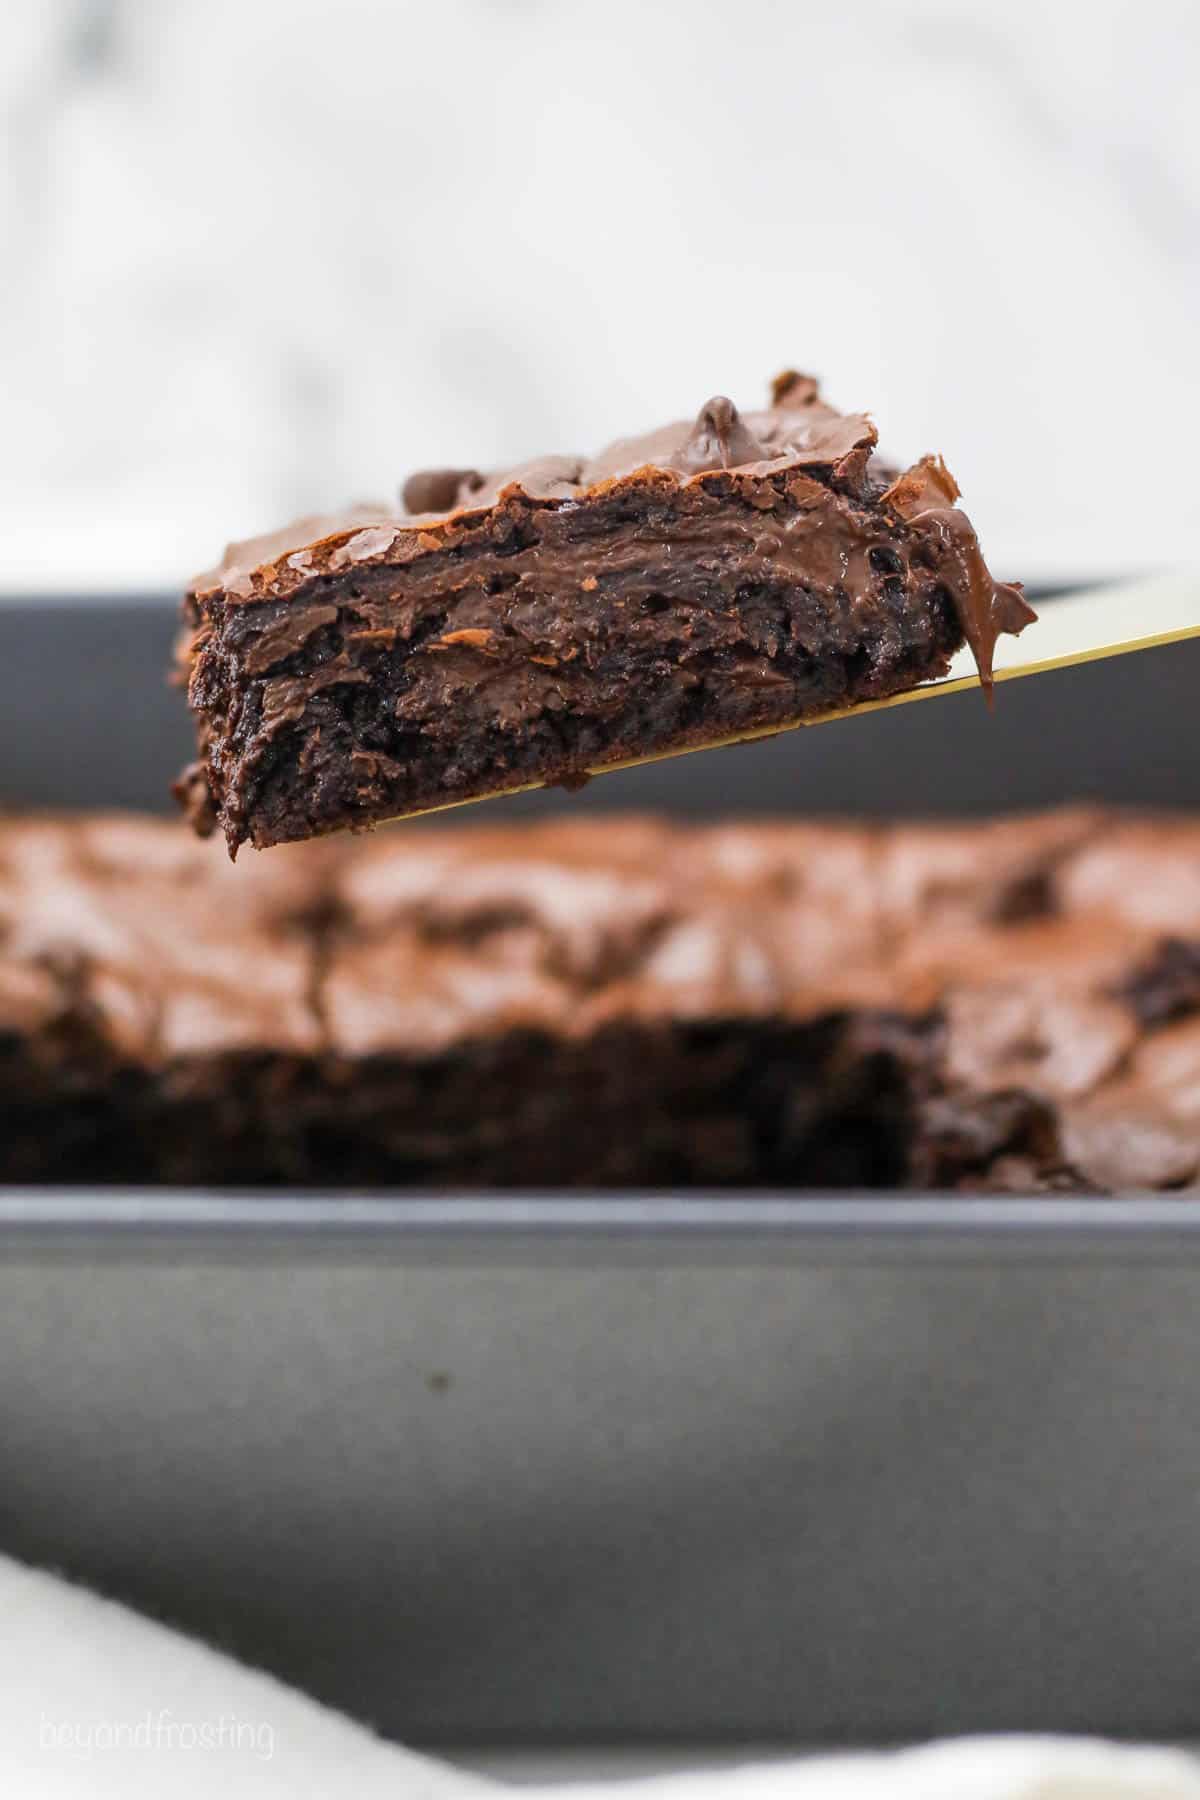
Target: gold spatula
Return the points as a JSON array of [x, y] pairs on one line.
[[1075, 628]]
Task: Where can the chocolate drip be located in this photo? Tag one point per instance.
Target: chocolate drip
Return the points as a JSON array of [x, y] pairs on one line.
[[718, 440], [437, 490], [987, 609]]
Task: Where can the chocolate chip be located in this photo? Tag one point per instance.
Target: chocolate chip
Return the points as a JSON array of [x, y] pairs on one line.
[[718, 440], [885, 561], [437, 490]]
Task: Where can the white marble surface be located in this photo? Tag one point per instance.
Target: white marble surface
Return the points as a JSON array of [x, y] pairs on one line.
[[257, 255]]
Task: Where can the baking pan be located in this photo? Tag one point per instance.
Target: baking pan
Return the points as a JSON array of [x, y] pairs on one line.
[[553, 1468]]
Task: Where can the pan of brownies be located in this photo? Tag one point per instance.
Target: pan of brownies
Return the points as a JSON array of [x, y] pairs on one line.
[[699, 1257]]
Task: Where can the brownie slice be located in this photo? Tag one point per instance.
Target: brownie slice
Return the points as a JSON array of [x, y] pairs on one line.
[[729, 576], [612, 1004]]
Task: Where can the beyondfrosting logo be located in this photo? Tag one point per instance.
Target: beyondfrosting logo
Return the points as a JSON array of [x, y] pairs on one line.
[[158, 1732]]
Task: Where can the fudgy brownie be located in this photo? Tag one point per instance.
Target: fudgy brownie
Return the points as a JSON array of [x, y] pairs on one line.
[[1015, 1005], [728, 576]]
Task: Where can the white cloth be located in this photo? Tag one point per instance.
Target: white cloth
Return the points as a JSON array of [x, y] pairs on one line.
[[95, 1701]]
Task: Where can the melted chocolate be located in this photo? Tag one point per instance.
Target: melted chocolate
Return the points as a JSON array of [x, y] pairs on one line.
[[987, 608]]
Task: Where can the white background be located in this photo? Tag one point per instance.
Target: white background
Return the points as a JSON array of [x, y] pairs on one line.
[[258, 256]]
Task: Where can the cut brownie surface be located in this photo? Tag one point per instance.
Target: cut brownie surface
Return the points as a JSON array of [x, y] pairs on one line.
[[626, 1003], [716, 578]]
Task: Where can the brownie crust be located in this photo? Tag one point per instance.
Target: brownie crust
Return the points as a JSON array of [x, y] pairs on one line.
[[1013, 1006], [728, 576]]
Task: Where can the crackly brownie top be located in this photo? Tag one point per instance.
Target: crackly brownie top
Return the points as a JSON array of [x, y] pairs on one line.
[[798, 437], [798, 430], [125, 938], [1057, 957]]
